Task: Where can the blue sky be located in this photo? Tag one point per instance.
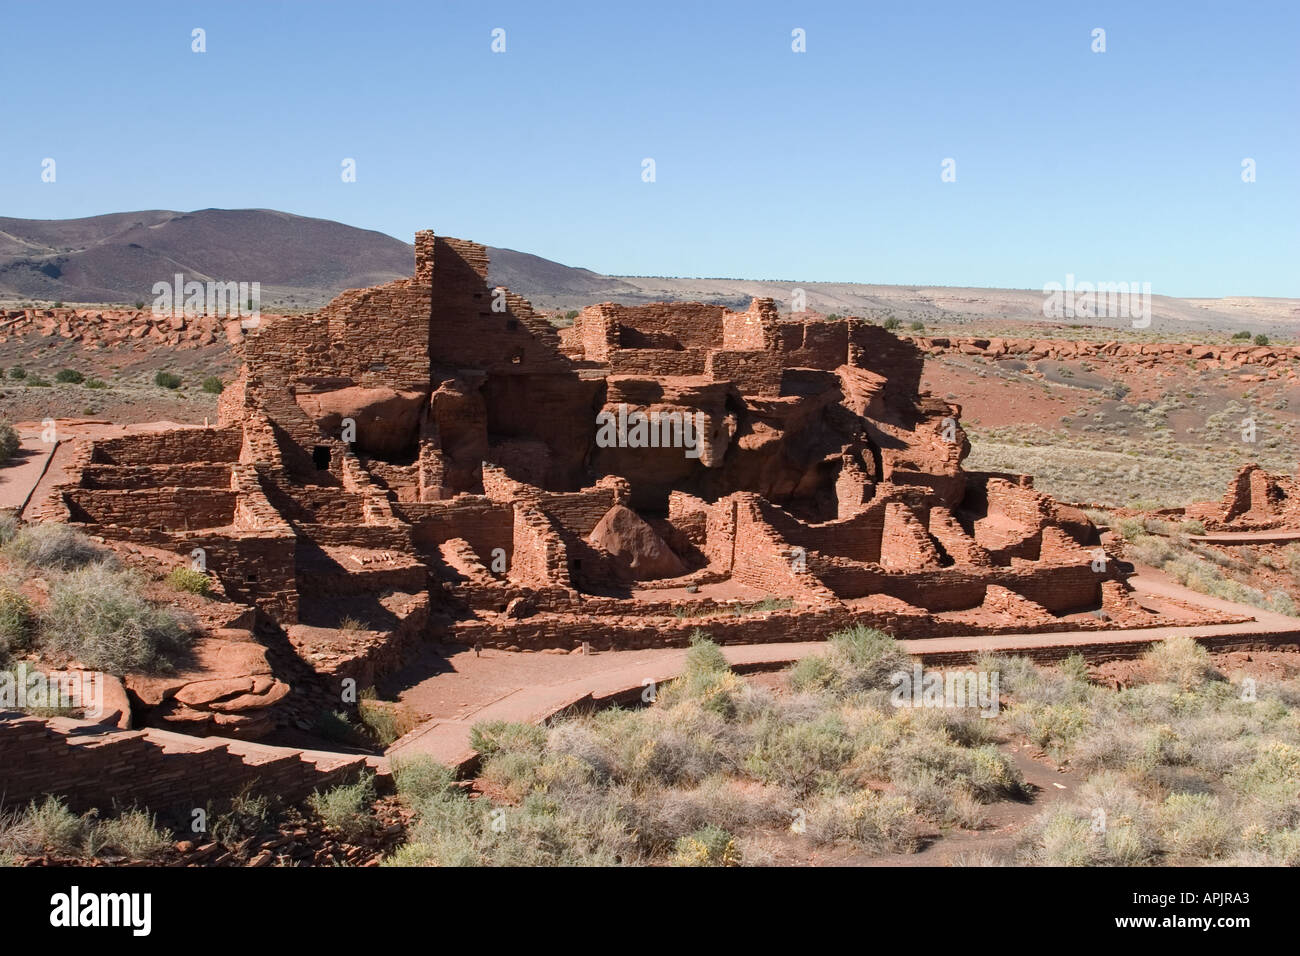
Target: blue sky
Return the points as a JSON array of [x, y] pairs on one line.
[[820, 166]]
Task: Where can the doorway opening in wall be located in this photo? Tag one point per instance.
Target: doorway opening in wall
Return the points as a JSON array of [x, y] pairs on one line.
[[320, 455]]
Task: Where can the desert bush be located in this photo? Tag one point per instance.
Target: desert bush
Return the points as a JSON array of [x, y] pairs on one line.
[[69, 376], [708, 846], [247, 814], [167, 380], [96, 383], [1108, 824], [875, 822], [1181, 661], [213, 385], [53, 546], [1195, 826], [804, 755], [857, 659], [98, 616], [706, 679], [937, 800], [420, 777], [9, 527], [334, 725], [346, 807], [494, 736], [133, 833], [17, 373], [189, 580], [9, 442], [48, 826], [385, 721], [17, 621]]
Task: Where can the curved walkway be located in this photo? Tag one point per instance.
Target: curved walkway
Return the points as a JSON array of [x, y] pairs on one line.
[[1246, 537], [533, 692]]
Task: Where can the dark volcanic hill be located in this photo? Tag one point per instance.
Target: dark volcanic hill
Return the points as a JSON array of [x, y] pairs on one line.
[[299, 261]]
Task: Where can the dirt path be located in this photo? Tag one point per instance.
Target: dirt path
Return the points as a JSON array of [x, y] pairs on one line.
[[1246, 537]]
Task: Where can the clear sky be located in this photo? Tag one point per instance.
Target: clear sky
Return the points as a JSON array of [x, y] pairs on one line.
[[818, 166]]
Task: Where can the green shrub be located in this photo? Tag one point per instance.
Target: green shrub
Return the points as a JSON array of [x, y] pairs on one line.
[[876, 822], [247, 815], [16, 622], [346, 807], [9, 442], [54, 546], [48, 826], [708, 846], [213, 385], [420, 777], [187, 579], [385, 721], [496, 736], [1196, 826], [334, 725], [69, 376], [857, 659], [167, 380], [96, 383], [891, 323], [35, 381], [133, 833], [9, 527], [1240, 336], [1181, 661], [1261, 339], [17, 373], [98, 616]]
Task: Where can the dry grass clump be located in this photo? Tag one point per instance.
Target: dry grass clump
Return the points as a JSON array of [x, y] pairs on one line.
[[50, 827], [98, 615], [51, 546], [345, 808]]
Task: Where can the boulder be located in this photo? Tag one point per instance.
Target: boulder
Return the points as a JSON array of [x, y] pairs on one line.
[[638, 552], [386, 418]]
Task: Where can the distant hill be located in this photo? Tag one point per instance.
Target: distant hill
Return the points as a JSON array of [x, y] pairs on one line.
[[118, 257], [305, 262]]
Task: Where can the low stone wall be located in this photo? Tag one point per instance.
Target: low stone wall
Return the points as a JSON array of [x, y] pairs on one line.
[[162, 770]]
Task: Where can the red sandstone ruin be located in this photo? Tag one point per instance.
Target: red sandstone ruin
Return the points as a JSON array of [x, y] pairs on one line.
[[422, 456]]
